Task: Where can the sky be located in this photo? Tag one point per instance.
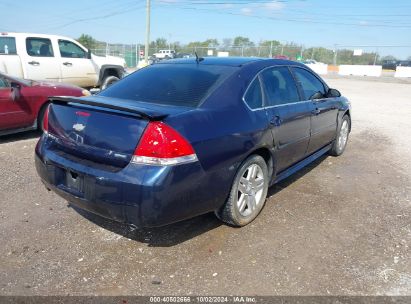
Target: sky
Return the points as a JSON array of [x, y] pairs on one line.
[[379, 24]]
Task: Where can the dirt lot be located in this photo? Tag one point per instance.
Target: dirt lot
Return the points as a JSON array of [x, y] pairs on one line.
[[341, 227]]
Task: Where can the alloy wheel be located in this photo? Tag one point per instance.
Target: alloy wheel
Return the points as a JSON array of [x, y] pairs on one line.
[[343, 136], [250, 190]]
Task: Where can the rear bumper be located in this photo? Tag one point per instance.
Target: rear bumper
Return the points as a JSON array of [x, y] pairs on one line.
[[145, 196]]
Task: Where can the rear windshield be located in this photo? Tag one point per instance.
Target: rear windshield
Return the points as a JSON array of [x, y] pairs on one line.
[[170, 84]]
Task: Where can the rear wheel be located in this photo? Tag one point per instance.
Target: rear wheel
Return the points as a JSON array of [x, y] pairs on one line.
[[248, 193], [342, 137], [108, 81]]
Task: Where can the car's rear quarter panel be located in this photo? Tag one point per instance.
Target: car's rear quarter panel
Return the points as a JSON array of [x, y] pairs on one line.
[[224, 132]]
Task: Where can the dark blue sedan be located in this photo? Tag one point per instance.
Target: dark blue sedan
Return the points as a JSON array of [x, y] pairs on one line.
[[185, 137]]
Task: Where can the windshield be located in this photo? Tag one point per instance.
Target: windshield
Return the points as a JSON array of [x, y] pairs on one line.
[[170, 84], [16, 79]]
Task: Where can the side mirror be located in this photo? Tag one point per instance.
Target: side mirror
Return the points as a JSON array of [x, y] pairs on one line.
[[15, 91], [333, 93], [89, 54], [317, 95]]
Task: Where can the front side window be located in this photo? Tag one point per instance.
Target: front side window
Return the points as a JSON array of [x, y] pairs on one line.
[[310, 84], [8, 46], [39, 47], [253, 97], [69, 49], [280, 86]]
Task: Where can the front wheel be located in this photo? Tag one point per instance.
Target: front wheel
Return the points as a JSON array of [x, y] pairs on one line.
[[342, 137], [248, 193], [40, 117], [108, 81]]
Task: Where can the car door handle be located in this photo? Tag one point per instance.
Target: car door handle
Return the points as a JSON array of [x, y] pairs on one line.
[[67, 63], [34, 63], [316, 111], [276, 121]]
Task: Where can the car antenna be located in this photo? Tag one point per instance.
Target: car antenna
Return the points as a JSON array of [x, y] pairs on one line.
[[198, 59]]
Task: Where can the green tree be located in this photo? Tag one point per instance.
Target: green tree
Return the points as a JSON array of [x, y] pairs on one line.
[[206, 43], [88, 41], [242, 41], [176, 46], [211, 43], [319, 54], [390, 57], [194, 44], [268, 43], [161, 43]]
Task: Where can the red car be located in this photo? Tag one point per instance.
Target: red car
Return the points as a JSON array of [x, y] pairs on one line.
[[23, 102]]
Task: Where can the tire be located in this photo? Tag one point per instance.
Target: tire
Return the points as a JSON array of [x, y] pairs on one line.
[[341, 139], [245, 202], [40, 117], [108, 81]]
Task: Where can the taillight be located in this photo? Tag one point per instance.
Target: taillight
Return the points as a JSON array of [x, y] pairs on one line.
[[160, 144], [46, 120]]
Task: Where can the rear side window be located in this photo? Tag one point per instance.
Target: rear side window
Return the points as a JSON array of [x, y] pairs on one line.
[[310, 84], [39, 47], [253, 97], [170, 84], [8, 46], [280, 86], [70, 50]]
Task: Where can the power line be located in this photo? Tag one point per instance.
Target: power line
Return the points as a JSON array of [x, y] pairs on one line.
[[293, 19], [98, 17]]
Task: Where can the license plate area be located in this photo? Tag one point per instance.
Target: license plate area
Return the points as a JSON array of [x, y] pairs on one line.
[[74, 181]]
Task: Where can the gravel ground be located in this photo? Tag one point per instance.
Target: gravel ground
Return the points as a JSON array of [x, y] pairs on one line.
[[340, 227]]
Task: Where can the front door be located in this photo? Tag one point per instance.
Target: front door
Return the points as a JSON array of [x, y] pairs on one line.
[[12, 113], [39, 61], [324, 110], [76, 66], [289, 117]]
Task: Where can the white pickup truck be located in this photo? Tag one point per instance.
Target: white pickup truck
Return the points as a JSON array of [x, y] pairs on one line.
[[57, 59], [165, 54]]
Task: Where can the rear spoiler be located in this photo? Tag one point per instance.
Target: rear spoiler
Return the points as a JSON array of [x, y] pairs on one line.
[[119, 105]]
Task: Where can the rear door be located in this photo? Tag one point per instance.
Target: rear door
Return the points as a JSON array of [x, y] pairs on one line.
[[324, 110], [289, 116], [76, 66], [10, 62], [39, 60]]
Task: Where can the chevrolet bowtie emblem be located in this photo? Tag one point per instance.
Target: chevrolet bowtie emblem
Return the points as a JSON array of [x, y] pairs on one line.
[[78, 127]]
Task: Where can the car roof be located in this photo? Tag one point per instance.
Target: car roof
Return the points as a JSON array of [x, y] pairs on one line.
[[230, 61], [35, 35]]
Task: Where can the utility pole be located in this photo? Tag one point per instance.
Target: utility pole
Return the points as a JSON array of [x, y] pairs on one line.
[[271, 49], [376, 56], [335, 54], [147, 32]]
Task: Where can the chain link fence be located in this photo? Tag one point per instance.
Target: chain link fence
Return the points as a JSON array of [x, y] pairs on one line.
[[129, 52], [356, 55]]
